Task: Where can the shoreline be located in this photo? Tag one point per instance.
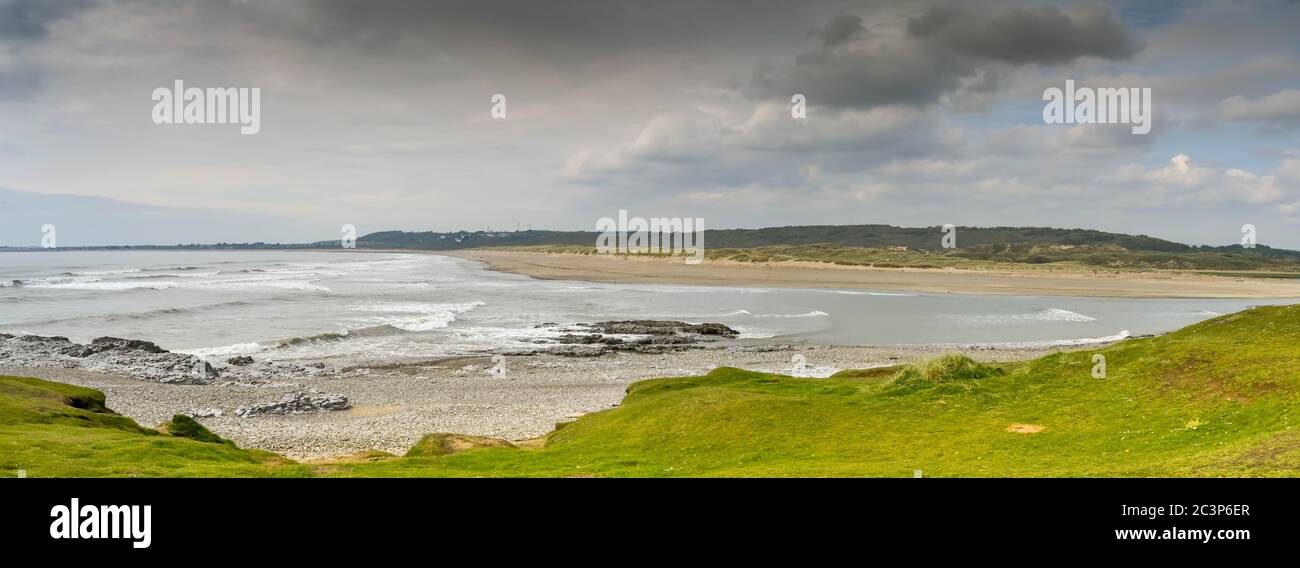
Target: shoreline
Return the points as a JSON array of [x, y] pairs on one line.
[[392, 407], [1012, 281]]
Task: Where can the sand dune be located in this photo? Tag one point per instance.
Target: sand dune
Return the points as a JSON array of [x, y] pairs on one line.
[[1035, 281]]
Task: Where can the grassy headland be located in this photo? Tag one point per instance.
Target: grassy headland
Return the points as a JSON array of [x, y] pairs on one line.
[[1212, 399]]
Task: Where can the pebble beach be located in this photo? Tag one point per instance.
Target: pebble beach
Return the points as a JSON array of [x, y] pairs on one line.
[[393, 406]]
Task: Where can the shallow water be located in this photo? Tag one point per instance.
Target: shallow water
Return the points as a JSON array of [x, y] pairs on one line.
[[394, 306]]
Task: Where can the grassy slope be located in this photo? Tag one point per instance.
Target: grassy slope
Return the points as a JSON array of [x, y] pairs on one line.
[[56, 430], [1213, 399]]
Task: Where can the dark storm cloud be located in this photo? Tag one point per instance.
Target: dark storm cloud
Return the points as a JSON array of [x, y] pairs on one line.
[[864, 78], [840, 29], [29, 20], [1043, 34], [22, 23], [945, 48], [571, 28]]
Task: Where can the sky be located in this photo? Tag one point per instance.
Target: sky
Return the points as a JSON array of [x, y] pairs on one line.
[[379, 115]]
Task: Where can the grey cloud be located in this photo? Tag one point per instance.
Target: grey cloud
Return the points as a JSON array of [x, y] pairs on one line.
[[1043, 35], [29, 20], [840, 29], [864, 79], [555, 28], [1282, 107], [19, 83], [946, 49]]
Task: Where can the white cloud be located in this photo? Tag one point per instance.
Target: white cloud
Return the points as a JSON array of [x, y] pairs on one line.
[[1181, 178], [1282, 106]]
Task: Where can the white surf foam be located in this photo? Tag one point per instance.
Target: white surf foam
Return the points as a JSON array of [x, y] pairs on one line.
[[743, 312], [414, 316], [224, 351], [1047, 315]]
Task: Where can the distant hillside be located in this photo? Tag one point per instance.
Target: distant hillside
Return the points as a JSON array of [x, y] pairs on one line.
[[1007, 244], [873, 245]]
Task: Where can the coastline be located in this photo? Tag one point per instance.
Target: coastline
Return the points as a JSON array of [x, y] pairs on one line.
[[1012, 281], [393, 406]]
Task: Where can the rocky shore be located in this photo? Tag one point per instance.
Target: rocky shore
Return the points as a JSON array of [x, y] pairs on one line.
[[305, 410], [639, 336]]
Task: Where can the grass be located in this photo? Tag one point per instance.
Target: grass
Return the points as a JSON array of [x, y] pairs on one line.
[[56, 430], [1212, 399], [949, 368], [1052, 257]]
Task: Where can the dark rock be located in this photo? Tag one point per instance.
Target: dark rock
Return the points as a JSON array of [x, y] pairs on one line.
[[652, 336], [662, 327], [588, 339], [240, 361], [579, 350], [101, 344], [43, 339], [132, 358], [297, 403]]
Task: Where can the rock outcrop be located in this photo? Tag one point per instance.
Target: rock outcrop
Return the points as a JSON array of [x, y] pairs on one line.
[[297, 403], [129, 357], [240, 361], [641, 336]]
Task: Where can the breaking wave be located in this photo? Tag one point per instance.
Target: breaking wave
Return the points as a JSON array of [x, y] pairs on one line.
[[413, 316], [812, 314], [1047, 315]]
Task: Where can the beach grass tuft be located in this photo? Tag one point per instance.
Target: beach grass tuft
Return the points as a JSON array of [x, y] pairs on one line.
[[945, 368]]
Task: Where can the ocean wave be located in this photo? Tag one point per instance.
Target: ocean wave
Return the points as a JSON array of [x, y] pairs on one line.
[[414, 316], [149, 284], [184, 275], [747, 332], [65, 278], [862, 293], [1047, 315], [140, 315], [170, 269], [103, 272], [225, 351], [812, 314]]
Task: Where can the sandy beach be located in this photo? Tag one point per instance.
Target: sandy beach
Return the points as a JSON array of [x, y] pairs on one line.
[[1038, 282]]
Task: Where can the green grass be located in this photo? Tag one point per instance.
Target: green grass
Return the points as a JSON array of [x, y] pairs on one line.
[[55, 430], [1213, 399], [1050, 257]]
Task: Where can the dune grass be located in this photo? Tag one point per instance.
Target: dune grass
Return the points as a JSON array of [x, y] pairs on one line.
[[1213, 399], [1048, 257]]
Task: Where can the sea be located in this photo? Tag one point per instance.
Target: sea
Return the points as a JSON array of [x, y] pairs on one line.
[[365, 306]]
